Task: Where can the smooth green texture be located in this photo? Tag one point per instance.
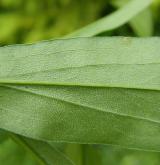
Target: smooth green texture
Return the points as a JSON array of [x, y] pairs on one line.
[[119, 156], [45, 153], [13, 154], [3, 136], [85, 109], [114, 20], [33, 152], [35, 20], [73, 151], [142, 24]]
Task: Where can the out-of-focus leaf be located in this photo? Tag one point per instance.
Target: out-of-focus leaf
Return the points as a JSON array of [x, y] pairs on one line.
[[92, 155], [45, 153], [117, 155], [11, 153], [73, 95], [114, 20], [142, 24], [3, 136], [9, 27], [73, 151], [34, 20]]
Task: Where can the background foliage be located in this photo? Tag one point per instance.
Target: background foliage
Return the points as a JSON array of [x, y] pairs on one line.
[[33, 20]]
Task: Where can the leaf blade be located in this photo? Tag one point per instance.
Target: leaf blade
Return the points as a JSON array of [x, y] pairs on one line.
[[46, 154], [114, 20], [57, 65], [84, 114], [60, 124]]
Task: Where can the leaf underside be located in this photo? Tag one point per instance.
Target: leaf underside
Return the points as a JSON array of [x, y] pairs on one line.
[[86, 90]]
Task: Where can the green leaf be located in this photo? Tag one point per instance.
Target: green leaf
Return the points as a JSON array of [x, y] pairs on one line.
[[45, 153], [12, 153], [3, 136], [86, 90], [84, 62], [73, 151], [19, 23], [120, 156], [142, 24], [114, 20]]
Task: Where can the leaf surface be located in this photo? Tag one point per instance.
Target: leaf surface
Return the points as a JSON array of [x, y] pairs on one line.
[[101, 61], [86, 90]]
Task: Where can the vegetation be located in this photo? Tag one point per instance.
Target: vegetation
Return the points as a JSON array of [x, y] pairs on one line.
[[84, 97]]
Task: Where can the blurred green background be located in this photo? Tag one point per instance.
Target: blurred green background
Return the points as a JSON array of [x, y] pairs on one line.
[[29, 21]]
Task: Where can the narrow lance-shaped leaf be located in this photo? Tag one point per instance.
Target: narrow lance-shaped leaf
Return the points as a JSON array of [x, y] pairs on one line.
[[142, 24], [114, 20], [103, 62], [43, 152], [81, 90]]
